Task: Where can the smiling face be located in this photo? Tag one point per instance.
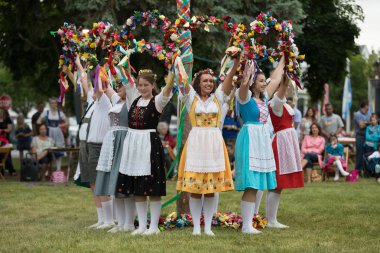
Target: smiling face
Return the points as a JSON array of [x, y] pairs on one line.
[[206, 84], [314, 130], [260, 84], [145, 88]]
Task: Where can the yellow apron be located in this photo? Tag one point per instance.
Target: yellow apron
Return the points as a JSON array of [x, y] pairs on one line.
[[204, 183]]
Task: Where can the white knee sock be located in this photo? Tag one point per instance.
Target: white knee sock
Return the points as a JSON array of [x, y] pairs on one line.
[[247, 209], [155, 211], [216, 202], [208, 212], [58, 163], [107, 207], [340, 168], [100, 215], [259, 196], [273, 201], [130, 213], [195, 210], [119, 211], [141, 214]]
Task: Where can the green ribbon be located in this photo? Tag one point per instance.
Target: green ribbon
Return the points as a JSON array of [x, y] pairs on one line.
[[179, 142], [171, 200]]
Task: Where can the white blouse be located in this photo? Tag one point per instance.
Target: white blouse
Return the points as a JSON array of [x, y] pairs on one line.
[[207, 106], [277, 103], [160, 100], [100, 122]]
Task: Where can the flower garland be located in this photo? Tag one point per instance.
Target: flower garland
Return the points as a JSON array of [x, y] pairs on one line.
[[226, 220], [249, 42], [99, 43]]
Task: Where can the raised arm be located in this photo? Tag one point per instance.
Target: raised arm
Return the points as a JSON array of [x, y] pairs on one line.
[[276, 77], [244, 87], [99, 91], [68, 73], [284, 84], [169, 84], [83, 75], [227, 83]]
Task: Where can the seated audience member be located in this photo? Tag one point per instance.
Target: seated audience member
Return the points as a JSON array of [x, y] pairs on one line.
[[334, 157], [23, 135], [312, 148], [40, 144], [374, 162]]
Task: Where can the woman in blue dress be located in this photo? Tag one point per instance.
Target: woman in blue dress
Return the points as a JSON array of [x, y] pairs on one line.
[[255, 164]]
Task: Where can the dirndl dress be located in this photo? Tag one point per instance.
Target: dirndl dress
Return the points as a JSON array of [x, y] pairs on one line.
[[204, 166], [142, 165], [55, 132], [112, 151], [289, 173], [254, 159]]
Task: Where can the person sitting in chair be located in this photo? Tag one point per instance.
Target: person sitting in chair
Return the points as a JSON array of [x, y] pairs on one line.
[[40, 144], [334, 157], [374, 162]]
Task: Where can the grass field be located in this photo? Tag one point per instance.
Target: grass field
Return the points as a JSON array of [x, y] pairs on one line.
[[323, 217]]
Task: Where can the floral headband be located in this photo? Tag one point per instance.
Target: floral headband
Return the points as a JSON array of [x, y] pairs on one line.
[[204, 71], [147, 71]]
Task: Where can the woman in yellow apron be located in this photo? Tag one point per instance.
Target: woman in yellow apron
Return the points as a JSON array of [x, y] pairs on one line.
[[204, 167]]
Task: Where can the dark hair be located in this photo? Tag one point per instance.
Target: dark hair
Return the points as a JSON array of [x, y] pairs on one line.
[[289, 99], [39, 126], [328, 104], [333, 136], [319, 128], [151, 78], [373, 115], [364, 103], [259, 72], [197, 81]]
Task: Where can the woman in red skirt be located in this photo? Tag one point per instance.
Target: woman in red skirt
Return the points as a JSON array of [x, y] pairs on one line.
[[286, 151]]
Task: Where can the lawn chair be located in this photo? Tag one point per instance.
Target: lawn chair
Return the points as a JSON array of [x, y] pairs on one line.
[[327, 170]]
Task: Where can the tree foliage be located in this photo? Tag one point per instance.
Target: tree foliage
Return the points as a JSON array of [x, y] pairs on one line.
[[325, 29], [328, 38]]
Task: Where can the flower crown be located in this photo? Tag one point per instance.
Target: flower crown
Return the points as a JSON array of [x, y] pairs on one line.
[[147, 71], [204, 71]]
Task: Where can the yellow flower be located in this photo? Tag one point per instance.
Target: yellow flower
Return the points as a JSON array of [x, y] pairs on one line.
[[85, 55], [162, 17], [301, 57], [60, 62], [161, 57], [251, 34], [93, 45], [94, 25], [177, 21], [235, 43], [278, 27]]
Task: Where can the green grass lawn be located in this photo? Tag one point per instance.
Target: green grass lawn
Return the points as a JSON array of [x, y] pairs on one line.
[[323, 217]]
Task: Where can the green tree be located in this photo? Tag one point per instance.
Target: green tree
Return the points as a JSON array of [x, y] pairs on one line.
[[328, 37]]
